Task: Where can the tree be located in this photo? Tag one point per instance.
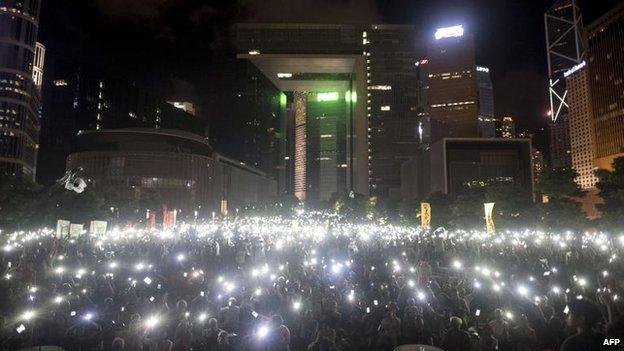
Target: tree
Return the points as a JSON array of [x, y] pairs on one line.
[[514, 206], [611, 190], [17, 195], [561, 208]]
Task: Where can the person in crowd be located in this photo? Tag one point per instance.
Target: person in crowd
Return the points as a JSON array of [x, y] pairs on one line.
[[583, 317], [340, 291], [456, 339]]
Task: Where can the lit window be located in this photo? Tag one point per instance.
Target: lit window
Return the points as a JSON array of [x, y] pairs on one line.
[[385, 108], [381, 87], [60, 82]]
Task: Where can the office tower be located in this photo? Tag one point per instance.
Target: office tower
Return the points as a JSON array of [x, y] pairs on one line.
[[20, 100], [507, 127], [606, 75], [487, 121], [81, 98], [539, 163], [392, 104], [564, 50], [323, 72], [559, 142], [582, 137], [424, 113], [38, 65], [453, 92], [243, 115]]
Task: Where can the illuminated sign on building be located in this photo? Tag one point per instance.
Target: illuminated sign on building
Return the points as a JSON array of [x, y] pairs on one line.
[[483, 69], [331, 96], [284, 75], [574, 69], [449, 32]]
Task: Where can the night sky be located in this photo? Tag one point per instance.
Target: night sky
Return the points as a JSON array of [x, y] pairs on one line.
[[178, 47]]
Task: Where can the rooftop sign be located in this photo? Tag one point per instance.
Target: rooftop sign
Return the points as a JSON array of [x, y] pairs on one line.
[[574, 69], [449, 32]]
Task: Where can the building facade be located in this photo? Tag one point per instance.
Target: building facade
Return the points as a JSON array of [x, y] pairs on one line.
[[565, 48], [606, 75], [78, 98], [487, 119], [559, 142], [582, 136], [507, 128], [453, 93], [392, 104], [20, 100], [180, 167], [456, 164], [321, 73]]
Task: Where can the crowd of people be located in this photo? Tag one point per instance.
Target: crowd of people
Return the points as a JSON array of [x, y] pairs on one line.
[[312, 282]]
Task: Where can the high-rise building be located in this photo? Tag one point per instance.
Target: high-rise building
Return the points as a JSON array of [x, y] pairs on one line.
[[392, 103], [20, 100], [487, 121], [80, 98], [244, 118], [559, 142], [606, 76], [582, 137], [371, 69], [564, 49], [453, 93], [507, 127], [38, 65]]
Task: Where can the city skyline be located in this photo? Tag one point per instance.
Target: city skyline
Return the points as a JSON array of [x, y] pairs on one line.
[[179, 49]]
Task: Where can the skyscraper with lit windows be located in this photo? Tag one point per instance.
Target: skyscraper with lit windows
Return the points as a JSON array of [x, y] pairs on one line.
[[453, 92], [606, 80], [20, 99]]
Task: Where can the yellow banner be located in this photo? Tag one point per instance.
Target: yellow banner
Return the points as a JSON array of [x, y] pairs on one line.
[[489, 218], [425, 214]]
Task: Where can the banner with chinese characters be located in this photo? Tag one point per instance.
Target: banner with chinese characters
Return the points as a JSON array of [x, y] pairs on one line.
[[425, 214], [489, 217]]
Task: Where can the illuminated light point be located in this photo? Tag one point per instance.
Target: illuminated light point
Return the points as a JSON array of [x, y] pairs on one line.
[[449, 32], [509, 315], [263, 331], [284, 75], [152, 321], [421, 296], [330, 96], [556, 290], [457, 264], [28, 315], [202, 317], [180, 257], [296, 305], [522, 290], [58, 299], [254, 52]]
